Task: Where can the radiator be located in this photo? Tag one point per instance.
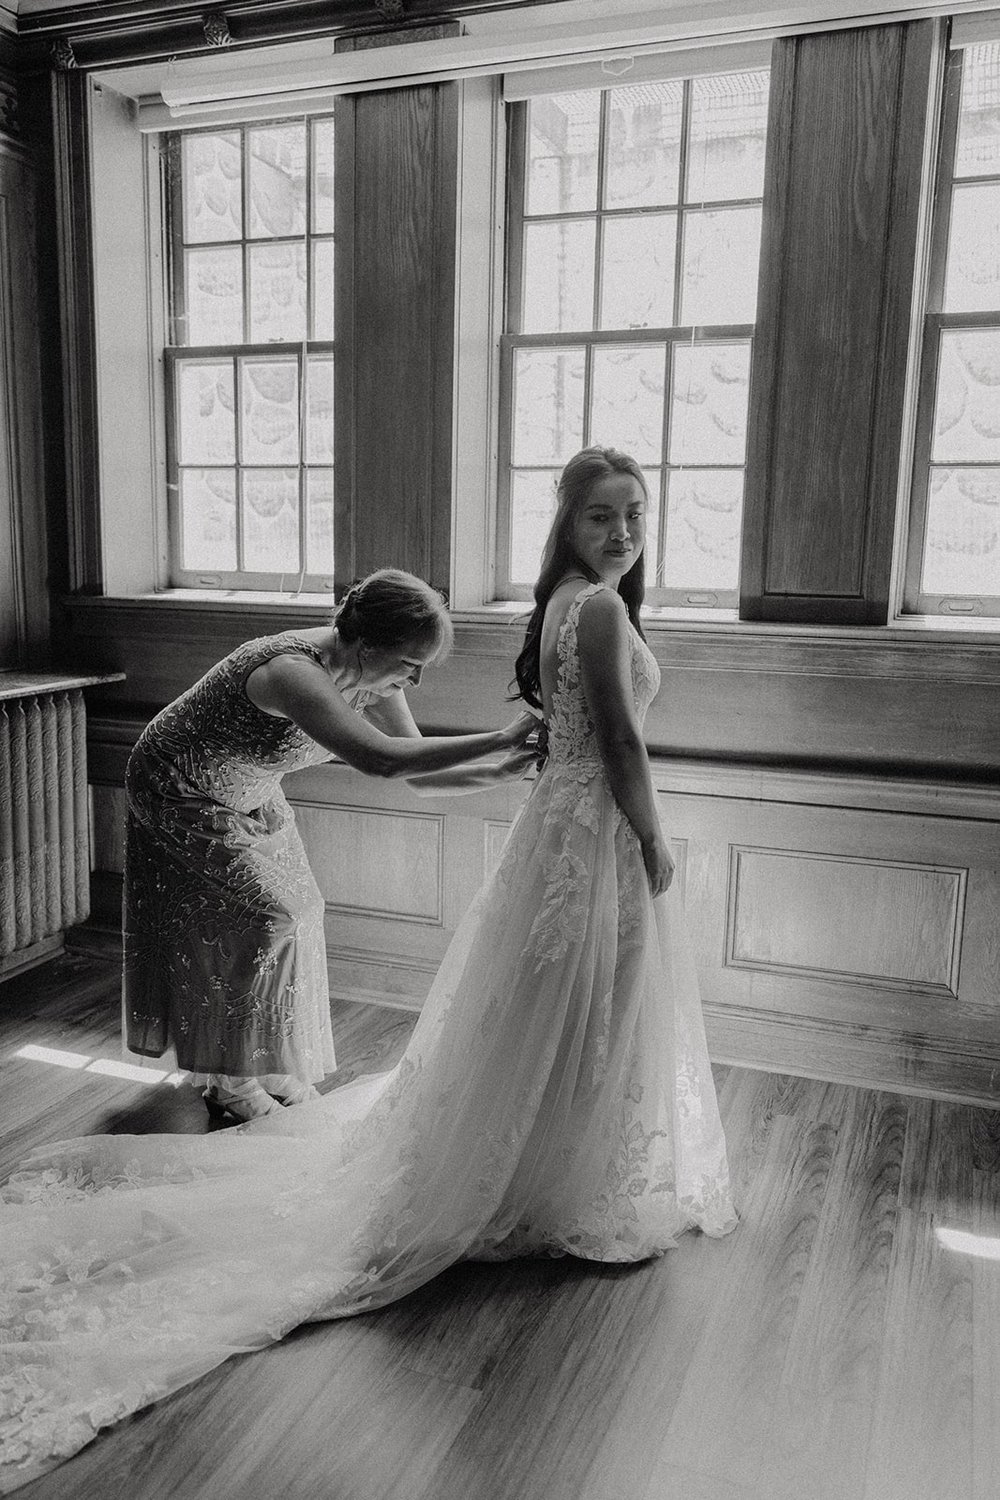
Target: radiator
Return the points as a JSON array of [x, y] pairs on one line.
[[44, 836]]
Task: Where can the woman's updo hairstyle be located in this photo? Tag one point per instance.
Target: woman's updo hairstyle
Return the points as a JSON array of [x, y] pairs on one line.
[[389, 609]]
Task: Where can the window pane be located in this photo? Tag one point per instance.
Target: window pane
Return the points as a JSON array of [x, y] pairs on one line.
[[967, 415], [644, 145], [637, 278], [206, 425], [561, 170], [322, 289], [627, 400], [532, 506], [962, 548], [319, 402], [319, 532], [212, 193], [277, 180], [704, 514], [721, 251], [972, 283], [558, 277], [269, 411], [213, 295], [322, 177], [548, 405], [208, 519], [978, 152], [277, 293], [270, 520], [708, 405], [728, 134]]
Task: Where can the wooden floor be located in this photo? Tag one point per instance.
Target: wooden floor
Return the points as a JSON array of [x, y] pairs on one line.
[[833, 1348]]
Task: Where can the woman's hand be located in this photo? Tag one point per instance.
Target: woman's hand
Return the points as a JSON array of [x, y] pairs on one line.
[[516, 763], [659, 864], [517, 731]]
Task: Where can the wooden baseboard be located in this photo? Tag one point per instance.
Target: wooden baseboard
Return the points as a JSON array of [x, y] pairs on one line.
[[936, 1067], [30, 957]]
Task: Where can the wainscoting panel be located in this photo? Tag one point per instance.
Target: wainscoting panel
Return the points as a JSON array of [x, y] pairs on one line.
[[494, 838], [375, 863], [867, 921], [844, 927]]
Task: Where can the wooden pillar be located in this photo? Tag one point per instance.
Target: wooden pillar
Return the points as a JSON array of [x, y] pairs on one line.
[[24, 615], [396, 213], [841, 213]]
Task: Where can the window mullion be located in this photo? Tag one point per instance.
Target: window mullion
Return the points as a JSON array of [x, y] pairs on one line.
[[238, 454], [941, 220]]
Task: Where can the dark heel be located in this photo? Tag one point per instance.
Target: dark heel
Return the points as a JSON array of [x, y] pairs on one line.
[[216, 1109]]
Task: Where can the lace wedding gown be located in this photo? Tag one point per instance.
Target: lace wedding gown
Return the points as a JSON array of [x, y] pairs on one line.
[[555, 1098]]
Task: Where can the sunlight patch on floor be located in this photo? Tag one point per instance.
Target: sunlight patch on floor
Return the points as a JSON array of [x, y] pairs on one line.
[[108, 1066], [985, 1246]]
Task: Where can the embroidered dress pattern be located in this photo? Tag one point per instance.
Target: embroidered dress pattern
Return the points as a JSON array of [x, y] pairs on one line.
[[555, 1098], [224, 949]]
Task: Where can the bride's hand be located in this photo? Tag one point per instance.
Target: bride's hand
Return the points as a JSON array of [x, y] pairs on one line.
[[516, 732], [659, 865]]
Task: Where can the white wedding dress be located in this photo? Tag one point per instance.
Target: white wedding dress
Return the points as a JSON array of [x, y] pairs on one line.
[[555, 1098]]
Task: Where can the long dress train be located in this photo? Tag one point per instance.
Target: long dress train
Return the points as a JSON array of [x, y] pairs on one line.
[[555, 1097]]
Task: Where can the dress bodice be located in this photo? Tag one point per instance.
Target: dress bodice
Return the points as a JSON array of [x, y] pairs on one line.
[[213, 741], [572, 737]]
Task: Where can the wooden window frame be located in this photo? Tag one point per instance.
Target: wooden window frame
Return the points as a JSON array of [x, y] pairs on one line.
[[916, 600], [671, 337], [301, 351]]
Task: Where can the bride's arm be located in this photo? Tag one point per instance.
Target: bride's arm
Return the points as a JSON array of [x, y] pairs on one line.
[[606, 676]]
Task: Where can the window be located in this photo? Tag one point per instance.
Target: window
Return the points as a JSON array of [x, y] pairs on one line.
[[633, 241], [953, 565], [250, 362]]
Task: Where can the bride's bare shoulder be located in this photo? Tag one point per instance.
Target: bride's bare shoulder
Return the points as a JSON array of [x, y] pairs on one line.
[[561, 598]]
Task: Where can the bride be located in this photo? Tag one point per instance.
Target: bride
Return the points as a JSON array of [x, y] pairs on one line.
[[555, 1097]]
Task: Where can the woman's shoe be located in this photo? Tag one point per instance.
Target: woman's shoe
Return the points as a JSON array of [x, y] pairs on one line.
[[287, 1089], [235, 1106]]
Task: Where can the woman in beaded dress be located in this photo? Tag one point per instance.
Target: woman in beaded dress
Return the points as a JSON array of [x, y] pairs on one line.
[[555, 1096], [225, 956]]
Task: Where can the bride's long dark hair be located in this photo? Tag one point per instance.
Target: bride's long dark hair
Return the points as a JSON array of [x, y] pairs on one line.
[[558, 557]]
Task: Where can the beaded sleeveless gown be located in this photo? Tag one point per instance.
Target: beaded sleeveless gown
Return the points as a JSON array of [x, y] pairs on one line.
[[555, 1098], [223, 921]]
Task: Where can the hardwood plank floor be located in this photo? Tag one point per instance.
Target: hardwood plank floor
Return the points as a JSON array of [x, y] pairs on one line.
[[838, 1346]]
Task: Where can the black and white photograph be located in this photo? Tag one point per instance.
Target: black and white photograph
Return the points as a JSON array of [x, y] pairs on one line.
[[500, 749]]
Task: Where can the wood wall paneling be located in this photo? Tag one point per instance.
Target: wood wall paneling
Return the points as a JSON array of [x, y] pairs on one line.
[[397, 164], [74, 256], [842, 928], [841, 201], [494, 837], [903, 706], [868, 921], [24, 609], [375, 862]]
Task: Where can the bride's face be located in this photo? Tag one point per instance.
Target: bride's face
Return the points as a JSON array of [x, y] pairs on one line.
[[609, 530]]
